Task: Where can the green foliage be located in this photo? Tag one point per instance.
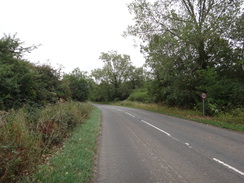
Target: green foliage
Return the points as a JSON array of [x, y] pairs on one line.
[[30, 132], [117, 78], [63, 90], [19, 148], [102, 92], [140, 95], [16, 79], [46, 84], [12, 48], [116, 71], [224, 93], [79, 85], [26, 134], [192, 47], [24, 83], [75, 162], [56, 121]]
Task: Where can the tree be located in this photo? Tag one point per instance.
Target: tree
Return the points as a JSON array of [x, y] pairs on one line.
[[79, 85], [137, 77], [183, 38], [116, 71], [47, 82], [117, 67], [16, 77], [202, 25], [22, 82]]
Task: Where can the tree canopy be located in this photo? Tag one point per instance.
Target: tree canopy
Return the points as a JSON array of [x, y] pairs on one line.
[[117, 77], [22, 82], [79, 85], [185, 42]]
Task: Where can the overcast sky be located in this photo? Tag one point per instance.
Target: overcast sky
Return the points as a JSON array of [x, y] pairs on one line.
[[72, 33]]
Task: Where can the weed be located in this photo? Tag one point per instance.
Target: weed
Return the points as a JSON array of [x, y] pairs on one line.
[[75, 162], [27, 134], [19, 149]]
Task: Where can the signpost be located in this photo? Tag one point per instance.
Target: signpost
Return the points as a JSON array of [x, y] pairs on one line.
[[203, 96]]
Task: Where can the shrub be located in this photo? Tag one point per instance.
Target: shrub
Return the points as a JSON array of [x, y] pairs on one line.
[[58, 120], [27, 134], [19, 149], [139, 95]]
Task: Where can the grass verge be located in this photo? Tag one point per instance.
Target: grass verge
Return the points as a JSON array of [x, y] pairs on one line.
[[75, 161], [233, 121]]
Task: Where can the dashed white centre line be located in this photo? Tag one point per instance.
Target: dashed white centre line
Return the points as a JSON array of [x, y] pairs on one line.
[[156, 127], [215, 159], [230, 167], [130, 114]]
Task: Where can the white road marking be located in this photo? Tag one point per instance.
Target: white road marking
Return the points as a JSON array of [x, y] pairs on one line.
[[230, 167], [156, 127], [215, 159], [130, 114], [175, 139], [189, 145]]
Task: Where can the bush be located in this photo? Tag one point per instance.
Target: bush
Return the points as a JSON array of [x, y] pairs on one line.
[[19, 149], [57, 121], [139, 95], [27, 134]]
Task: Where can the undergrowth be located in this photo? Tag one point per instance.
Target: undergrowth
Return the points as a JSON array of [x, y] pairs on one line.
[[75, 161], [28, 134]]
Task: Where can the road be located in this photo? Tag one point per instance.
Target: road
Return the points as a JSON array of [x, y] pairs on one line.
[[141, 146]]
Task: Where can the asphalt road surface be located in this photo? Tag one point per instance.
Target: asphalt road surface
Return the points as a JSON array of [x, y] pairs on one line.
[[141, 146]]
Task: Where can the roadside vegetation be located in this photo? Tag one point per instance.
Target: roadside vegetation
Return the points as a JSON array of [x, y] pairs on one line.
[[232, 120], [28, 135], [74, 162], [39, 108]]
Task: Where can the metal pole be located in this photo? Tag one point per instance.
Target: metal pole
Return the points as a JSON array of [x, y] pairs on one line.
[[203, 107]]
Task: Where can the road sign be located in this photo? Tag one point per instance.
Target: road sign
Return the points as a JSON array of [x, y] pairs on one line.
[[203, 95]]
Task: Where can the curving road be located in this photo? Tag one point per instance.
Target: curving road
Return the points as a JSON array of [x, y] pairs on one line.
[[141, 146]]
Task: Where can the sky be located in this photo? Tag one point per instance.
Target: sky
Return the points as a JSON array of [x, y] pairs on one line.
[[72, 33]]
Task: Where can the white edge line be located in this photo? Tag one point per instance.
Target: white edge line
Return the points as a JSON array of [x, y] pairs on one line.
[[230, 167], [130, 114], [156, 128]]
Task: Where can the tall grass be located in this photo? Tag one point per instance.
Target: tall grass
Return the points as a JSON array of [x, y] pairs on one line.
[[27, 134], [75, 161], [20, 149], [233, 120]]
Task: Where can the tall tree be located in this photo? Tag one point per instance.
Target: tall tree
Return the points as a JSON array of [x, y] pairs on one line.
[[16, 77], [201, 25], [182, 38], [22, 82], [115, 72], [116, 66]]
